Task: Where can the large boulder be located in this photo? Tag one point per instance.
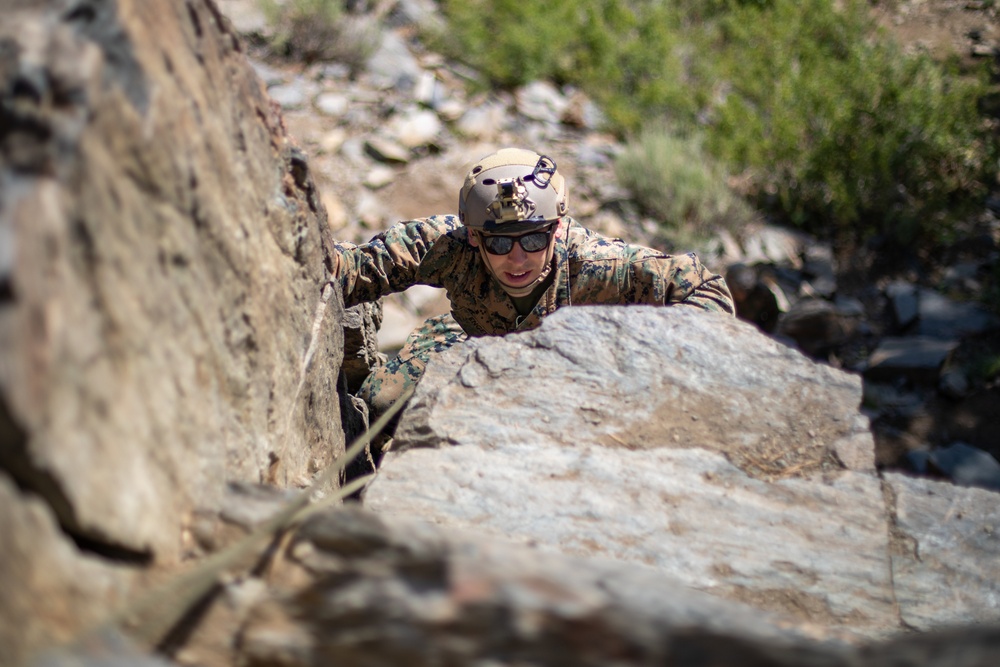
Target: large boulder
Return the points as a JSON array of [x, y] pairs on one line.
[[695, 445], [369, 590], [163, 324]]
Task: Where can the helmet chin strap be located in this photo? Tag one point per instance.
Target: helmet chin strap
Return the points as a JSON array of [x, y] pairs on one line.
[[527, 289]]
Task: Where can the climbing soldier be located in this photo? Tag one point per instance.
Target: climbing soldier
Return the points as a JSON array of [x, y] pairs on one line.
[[511, 257]]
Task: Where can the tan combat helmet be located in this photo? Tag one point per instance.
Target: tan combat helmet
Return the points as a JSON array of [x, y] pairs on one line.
[[511, 191]]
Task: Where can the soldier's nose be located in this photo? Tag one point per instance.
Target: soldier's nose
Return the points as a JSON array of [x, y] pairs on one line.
[[517, 254]]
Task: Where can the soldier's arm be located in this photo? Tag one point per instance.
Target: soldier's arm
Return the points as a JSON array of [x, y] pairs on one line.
[[391, 261], [686, 282]]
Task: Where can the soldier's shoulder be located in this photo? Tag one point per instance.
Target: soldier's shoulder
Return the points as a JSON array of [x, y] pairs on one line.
[[441, 224], [586, 245]]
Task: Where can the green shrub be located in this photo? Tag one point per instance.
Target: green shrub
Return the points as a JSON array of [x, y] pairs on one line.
[[847, 134], [317, 30], [674, 180], [841, 132]]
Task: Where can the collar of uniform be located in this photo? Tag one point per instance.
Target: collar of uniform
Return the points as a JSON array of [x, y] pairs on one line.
[[560, 290]]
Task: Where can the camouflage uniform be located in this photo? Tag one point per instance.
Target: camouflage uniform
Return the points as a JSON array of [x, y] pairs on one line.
[[590, 269]]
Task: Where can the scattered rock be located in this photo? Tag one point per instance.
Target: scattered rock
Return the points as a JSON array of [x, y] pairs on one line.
[[940, 317], [918, 358], [756, 300], [581, 112], [380, 176], [332, 104], [954, 384], [540, 100], [819, 269], [774, 245], [392, 66], [290, 96], [386, 151], [330, 142], [269, 75], [416, 129], [903, 304], [817, 326], [485, 121], [966, 466]]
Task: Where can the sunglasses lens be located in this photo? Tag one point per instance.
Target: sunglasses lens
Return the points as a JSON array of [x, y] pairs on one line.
[[531, 242], [535, 241], [498, 245]]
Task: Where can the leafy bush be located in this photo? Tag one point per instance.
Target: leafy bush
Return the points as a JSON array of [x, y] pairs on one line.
[[315, 30], [845, 132], [674, 180], [841, 132]]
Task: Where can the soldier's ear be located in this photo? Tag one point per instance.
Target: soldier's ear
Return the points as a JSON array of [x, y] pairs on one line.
[[473, 237]]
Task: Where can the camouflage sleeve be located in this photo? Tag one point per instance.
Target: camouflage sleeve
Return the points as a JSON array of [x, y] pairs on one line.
[[391, 261], [685, 282]]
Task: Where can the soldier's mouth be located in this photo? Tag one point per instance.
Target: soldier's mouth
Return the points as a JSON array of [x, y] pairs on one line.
[[514, 278]]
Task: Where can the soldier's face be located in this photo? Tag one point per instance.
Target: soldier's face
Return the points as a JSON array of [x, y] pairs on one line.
[[518, 268]]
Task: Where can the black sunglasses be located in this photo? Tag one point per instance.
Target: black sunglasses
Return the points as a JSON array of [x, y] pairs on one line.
[[530, 242]]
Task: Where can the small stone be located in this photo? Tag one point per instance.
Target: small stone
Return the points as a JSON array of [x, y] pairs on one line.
[[954, 384], [417, 129], [289, 96], [920, 358], [483, 122], [425, 90], [451, 110], [380, 176], [944, 318], [392, 66], [332, 140], [331, 104], [967, 466], [541, 100], [386, 151]]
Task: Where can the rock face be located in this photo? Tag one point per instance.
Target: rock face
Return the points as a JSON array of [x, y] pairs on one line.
[[373, 591], [695, 445], [163, 329]]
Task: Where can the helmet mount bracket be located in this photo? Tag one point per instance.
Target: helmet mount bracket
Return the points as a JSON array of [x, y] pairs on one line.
[[512, 202]]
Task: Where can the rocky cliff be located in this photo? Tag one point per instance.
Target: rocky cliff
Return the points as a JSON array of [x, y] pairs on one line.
[[163, 328], [627, 486]]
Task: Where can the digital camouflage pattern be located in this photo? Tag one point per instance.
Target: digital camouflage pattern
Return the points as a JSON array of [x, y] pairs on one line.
[[388, 382], [590, 269]]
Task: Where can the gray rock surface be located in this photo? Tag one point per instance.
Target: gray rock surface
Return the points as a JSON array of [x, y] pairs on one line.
[[967, 466], [946, 555], [163, 331], [366, 590], [641, 378], [919, 358], [40, 568], [161, 252], [652, 436], [371, 591], [941, 317]]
